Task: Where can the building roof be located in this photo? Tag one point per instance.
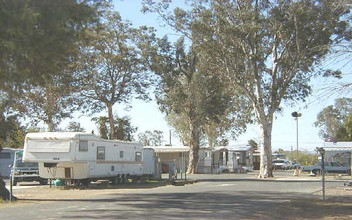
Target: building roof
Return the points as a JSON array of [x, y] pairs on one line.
[[168, 149], [240, 148], [175, 149]]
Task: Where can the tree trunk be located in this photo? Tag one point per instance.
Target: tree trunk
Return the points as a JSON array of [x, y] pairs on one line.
[[194, 148], [265, 149], [112, 123], [51, 124]]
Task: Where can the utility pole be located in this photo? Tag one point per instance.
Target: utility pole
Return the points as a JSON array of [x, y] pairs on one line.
[[296, 115]]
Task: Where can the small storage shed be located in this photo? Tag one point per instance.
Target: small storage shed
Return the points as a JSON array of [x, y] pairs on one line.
[[240, 157], [168, 155]]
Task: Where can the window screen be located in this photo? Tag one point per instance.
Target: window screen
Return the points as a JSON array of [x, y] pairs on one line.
[[83, 145], [138, 156], [100, 153], [121, 154]]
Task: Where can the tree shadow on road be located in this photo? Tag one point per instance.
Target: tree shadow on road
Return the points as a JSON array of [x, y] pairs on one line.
[[246, 205]]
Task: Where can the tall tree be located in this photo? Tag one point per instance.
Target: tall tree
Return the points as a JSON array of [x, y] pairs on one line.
[[111, 68], [193, 98], [268, 50], [193, 94]]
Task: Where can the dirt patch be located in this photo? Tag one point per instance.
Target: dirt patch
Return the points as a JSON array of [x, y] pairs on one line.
[[338, 206], [37, 194]]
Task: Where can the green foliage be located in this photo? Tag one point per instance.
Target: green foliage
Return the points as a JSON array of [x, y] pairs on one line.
[[331, 120], [101, 123], [344, 133], [123, 129], [38, 38], [111, 67], [50, 103], [75, 127], [11, 132], [304, 158], [151, 138], [253, 144]]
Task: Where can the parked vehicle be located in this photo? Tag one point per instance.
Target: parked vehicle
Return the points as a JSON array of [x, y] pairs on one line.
[[81, 157], [296, 165], [26, 172], [330, 167], [281, 164]]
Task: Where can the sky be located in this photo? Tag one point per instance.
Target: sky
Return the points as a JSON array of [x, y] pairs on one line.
[[146, 115]]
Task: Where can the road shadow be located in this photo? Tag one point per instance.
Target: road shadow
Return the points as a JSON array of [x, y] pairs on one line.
[[245, 205]]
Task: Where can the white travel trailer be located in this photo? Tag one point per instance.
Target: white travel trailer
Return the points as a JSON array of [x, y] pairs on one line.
[[82, 157]]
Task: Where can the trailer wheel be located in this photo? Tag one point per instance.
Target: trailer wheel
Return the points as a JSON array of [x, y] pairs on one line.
[[85, 182], [115, 180], [43, 182], [316, 172]]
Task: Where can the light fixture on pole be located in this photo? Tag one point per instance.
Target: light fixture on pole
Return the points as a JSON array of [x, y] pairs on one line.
[[296, 115], [322, 153]]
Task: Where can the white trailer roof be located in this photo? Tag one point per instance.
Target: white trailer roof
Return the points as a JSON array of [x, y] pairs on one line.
[[59, 135], [331, 146], [240, 148]]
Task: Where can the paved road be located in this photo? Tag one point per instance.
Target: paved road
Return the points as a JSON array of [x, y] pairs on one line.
[[219, 197]]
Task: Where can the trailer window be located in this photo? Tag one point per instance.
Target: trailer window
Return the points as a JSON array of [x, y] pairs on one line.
[[138, 156], [100, 153], [83, 146], [121, 154]]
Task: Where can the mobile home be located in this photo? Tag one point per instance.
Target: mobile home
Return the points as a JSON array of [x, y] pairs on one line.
[[83, 157]]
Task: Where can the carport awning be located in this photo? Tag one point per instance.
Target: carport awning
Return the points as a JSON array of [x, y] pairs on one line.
[[169, 149]]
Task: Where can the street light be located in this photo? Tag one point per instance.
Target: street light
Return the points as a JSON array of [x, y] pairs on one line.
[[296, 115], [322, 152]]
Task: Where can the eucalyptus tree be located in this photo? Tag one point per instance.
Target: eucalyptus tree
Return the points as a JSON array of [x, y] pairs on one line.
[[267, 50], [179, 92], [193, 98], [332, 118], [111, 67]]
